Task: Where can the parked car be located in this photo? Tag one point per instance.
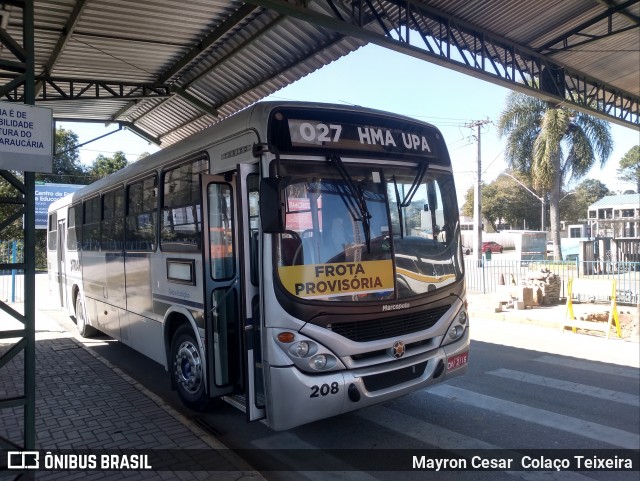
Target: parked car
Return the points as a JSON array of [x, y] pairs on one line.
[[466, 250], [549, 247], [491, 246]]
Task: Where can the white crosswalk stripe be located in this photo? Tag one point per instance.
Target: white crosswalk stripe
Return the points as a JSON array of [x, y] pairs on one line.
[[336, 470], [612, 436], [431, 435], [592, 366], [443, 438], [584, 389]]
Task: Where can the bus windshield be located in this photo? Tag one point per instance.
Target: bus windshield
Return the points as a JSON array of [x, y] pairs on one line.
[[363, 232]]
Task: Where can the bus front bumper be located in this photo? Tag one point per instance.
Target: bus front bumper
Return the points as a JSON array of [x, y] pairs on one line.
[[299, 398]]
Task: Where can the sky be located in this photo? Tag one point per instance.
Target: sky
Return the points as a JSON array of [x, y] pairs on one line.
[[382, 79]]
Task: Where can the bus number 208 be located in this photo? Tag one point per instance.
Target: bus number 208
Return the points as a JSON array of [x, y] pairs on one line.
[[325, 389]]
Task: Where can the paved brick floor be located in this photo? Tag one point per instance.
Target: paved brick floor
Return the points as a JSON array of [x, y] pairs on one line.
[[83, 403]]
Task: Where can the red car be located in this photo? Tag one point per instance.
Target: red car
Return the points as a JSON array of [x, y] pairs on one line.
[[491, 246]]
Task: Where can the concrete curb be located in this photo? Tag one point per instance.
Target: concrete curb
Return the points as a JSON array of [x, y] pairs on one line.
[[243, 469]]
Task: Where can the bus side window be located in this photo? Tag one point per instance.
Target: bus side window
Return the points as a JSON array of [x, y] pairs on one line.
[[74, 227], [91, 224], [140, 229], [52, 235], [253, 182], [112, 220], [181, 216], [221, 223]]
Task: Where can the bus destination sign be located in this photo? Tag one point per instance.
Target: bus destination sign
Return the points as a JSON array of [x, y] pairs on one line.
[[334, 133]]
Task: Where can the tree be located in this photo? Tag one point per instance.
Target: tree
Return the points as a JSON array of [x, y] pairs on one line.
[[575, 205], [504, 199], [104, 165], [629, 170], [66, 168], [554, 144]]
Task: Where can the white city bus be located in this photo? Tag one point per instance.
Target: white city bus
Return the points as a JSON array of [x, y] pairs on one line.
[[297, 260]]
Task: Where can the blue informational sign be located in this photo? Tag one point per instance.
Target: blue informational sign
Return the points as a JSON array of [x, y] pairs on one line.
[[45, 195]]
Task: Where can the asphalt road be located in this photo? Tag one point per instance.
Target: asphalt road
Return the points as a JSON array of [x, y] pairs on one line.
[[530, 392]]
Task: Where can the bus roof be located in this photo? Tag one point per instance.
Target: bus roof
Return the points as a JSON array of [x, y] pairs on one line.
[[253, 116]]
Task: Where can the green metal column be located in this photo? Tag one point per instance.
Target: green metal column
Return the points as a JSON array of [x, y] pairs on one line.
[[29, 245], [25, 196]]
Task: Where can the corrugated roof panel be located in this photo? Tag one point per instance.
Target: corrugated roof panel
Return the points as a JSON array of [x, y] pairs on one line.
[[177, 21], [110, 60], [260, 51], [618, 200], [87, 109]]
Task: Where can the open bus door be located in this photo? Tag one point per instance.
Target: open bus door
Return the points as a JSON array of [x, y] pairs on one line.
[[231, 290], [249, 229]]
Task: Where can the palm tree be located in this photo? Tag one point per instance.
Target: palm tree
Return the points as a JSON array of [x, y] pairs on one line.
[[554, 144]]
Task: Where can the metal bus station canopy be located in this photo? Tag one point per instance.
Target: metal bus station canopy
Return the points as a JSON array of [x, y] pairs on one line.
[[167, 69]]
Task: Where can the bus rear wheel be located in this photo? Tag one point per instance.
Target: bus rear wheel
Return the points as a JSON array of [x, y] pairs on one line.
[[84, 329], [187, 371]]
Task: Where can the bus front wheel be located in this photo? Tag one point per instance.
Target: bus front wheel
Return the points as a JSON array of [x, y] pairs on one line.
[[186, 368], [84, 329]]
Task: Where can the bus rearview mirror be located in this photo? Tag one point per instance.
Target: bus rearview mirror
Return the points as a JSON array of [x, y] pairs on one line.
[[272, 204]]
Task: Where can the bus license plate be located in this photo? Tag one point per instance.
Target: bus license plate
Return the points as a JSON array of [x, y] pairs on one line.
[[457, 361]]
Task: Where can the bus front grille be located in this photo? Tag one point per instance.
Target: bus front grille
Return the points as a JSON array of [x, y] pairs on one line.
[[376, 382], [363, 331]]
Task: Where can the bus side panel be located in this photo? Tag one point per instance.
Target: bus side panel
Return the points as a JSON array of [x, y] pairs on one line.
[[93, 283], [73, 278], [145, 335], [138, 327], [138, 282], [115, 279], [109, 319]]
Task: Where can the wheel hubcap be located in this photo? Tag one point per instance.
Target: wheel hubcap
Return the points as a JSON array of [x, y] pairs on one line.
[[189, 367]]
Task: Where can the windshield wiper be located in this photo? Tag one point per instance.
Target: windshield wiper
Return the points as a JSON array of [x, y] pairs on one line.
[[399, 207], [414, 187], [355, 199], [406, 202]]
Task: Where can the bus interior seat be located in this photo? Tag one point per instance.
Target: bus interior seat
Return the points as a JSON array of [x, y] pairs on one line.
[[290, 250]]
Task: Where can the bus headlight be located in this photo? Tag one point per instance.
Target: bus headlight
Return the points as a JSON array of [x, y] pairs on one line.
[[302, 349], [319, 362], [305, 353], [455, 332], [323, 362], [457, 328]]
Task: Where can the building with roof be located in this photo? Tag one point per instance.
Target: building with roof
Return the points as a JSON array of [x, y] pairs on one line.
[[616, 216], [615, 223]]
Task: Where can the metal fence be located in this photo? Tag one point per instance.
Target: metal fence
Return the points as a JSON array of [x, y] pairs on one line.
[[486, 275], [11, 280]]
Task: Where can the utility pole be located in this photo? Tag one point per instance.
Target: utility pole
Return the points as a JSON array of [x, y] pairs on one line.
[[477, 204]]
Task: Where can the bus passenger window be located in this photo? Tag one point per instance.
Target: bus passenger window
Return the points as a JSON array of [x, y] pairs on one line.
[[52, 236], [74, 227], [221, 246], [91, 224], [140, 229], [181, 212], [112, 220], [253, 182]]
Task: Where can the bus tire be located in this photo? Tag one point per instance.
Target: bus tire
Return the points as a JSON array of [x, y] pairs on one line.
[[84, 329], [187, 370]]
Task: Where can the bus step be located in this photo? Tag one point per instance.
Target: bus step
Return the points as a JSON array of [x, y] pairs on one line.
[[237, 401]]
